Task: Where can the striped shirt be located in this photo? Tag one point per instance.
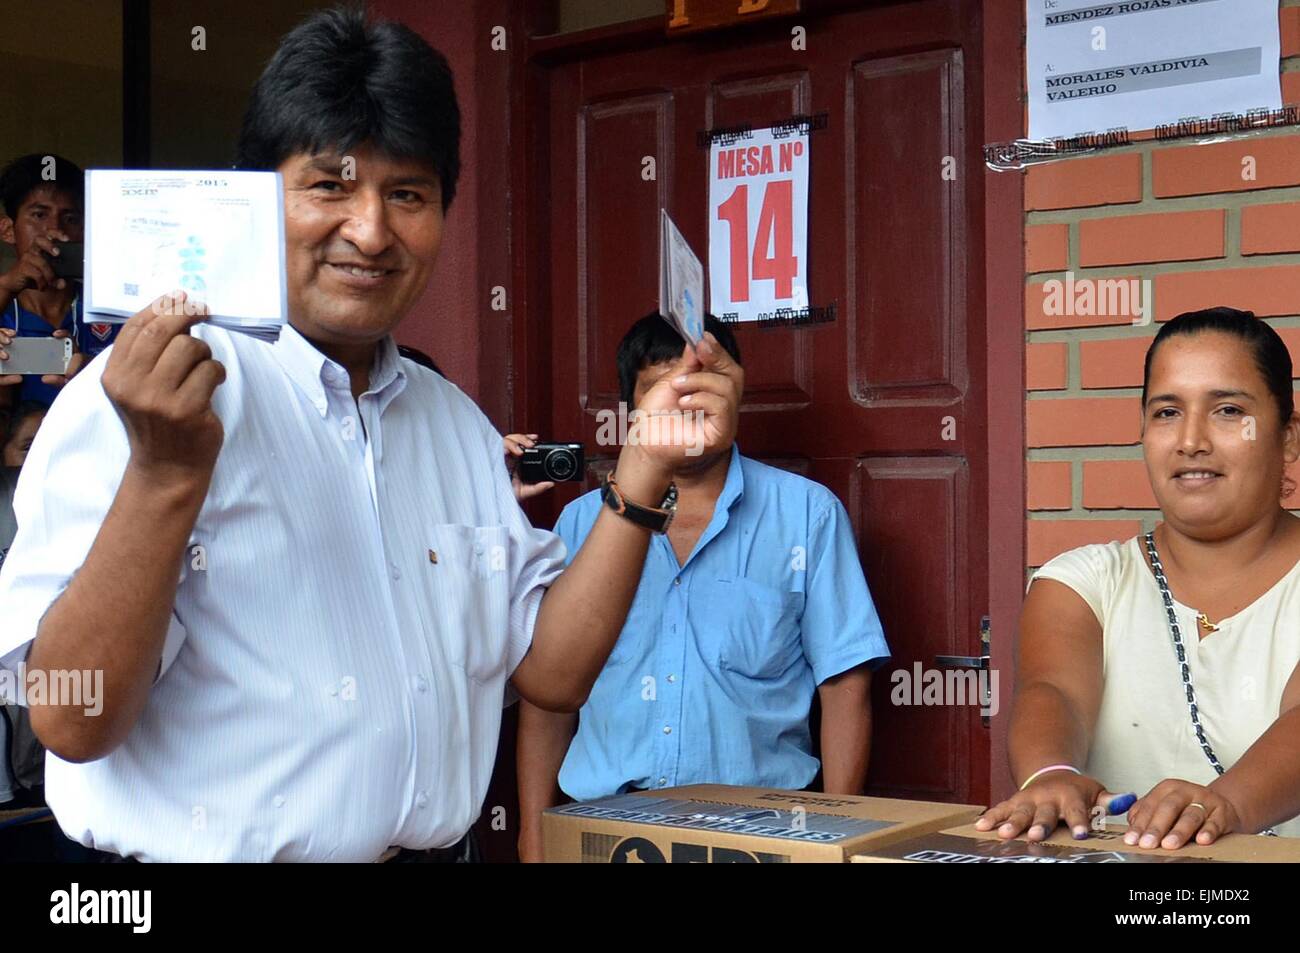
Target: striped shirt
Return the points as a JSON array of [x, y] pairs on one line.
[[358, 587]]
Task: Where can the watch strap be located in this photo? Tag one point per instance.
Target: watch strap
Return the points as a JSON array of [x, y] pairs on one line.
[[655, 520]]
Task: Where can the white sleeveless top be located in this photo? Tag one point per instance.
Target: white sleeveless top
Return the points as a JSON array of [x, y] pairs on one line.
[[1144, 730]]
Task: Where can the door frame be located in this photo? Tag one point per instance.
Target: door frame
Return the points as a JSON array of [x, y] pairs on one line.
[[1004, 284], [527, 374]]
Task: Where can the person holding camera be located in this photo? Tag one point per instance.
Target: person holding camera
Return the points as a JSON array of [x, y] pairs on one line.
[[515, 445], [752, 601], [43, 199]]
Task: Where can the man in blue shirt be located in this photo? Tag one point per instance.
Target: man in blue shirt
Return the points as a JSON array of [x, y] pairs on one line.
[[753, 598], [42, 198]]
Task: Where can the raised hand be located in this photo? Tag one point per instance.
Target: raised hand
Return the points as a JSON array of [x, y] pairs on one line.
[[161, 380]]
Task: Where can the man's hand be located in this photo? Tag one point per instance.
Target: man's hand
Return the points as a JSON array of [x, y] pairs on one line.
[[75, 363], [161, 380], [32, 270], [78, 361], [515, 444], [704, 388], [6, 338]]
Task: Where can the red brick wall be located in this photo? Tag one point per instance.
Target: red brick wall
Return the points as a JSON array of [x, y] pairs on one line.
[[1188, 218]]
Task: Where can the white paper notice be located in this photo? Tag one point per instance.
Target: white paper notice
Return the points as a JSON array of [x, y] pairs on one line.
[[1145, 63], [758, 226], [681, 282], [218, 236]]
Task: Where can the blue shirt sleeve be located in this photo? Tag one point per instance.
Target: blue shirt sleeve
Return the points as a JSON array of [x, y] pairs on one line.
[[840, 627], [574, 524], [564, 529]]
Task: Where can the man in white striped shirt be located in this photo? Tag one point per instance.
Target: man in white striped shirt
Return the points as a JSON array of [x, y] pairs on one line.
[[299, 566]]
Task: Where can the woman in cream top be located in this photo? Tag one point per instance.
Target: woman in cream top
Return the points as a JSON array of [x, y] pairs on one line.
[[1104, 705], [1143, 732]]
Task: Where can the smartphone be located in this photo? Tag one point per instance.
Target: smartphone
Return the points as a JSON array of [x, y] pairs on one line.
[[39, 355], [70, 262]]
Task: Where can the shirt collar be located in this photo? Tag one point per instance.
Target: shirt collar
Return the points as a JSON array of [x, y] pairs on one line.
[[311, 370], [732, 490], [734, 487], [388, 371]]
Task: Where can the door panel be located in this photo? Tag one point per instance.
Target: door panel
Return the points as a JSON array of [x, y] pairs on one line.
[[617, 219], [914, 537], [913, 103]]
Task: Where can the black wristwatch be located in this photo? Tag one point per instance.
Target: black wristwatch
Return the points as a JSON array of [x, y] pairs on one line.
[[656, 521]]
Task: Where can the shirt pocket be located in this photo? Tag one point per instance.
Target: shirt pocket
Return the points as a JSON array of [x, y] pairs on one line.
[[757, 627], [470, 596]]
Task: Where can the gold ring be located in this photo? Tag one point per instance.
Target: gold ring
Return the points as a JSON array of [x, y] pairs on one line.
[[1200, 805]]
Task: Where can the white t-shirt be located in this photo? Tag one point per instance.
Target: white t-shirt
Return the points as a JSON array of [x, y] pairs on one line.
[[1144, 729]]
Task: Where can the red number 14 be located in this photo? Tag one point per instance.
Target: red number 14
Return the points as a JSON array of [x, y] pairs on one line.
[[775, 229]]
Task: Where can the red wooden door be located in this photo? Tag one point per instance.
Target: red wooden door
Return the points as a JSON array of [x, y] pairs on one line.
[[885, 405]]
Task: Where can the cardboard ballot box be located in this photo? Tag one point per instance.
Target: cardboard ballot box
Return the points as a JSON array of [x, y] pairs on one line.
[[716, 823], [966, 845]]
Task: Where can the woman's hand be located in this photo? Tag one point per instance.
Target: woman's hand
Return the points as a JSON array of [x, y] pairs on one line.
[[1054, 797], [515, 444], [1175, 811]]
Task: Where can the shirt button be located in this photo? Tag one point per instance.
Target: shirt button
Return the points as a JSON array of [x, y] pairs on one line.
[[677, 581], [672, 678], [397, 573], [667, 730], [663, 782], [478, 549], [422, 683], [278, 800], [421, 799]]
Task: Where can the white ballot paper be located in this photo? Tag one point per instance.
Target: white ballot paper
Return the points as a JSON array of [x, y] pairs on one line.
[[681, 282], [1093, 67], [217, 236]]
